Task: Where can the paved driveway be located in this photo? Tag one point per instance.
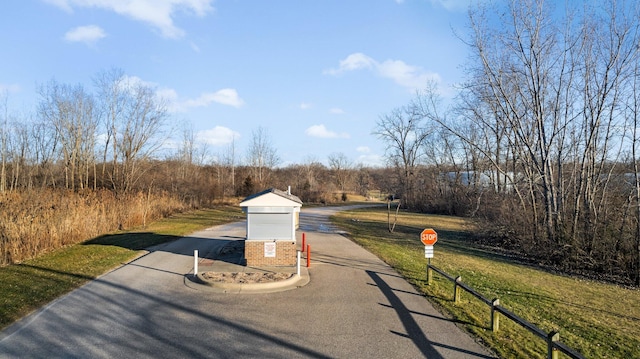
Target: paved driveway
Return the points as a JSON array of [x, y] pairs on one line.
[[355, 306]]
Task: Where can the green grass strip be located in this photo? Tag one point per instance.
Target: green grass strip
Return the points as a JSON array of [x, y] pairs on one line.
[[27, 286], [597, 319]]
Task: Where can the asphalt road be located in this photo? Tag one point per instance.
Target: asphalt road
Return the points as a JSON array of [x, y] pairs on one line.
[[354, 306]]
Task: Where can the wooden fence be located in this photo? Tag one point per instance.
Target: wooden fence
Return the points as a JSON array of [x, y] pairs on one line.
[[554, 345]]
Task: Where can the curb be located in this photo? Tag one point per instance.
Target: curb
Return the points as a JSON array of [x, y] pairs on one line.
[[251, 288]]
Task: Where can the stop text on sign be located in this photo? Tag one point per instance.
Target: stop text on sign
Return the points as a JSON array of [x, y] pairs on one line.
[[428, 237]]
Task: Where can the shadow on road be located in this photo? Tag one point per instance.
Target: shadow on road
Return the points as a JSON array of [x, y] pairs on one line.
[[224, 248], [126, 302], [135, 241], [412, 328]]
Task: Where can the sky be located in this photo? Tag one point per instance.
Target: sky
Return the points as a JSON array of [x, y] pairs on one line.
[[315, 75]]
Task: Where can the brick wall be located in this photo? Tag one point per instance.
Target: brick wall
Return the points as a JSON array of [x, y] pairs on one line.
[[286, 254]]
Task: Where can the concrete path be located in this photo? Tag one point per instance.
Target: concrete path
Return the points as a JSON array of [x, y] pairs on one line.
[[354, 306]]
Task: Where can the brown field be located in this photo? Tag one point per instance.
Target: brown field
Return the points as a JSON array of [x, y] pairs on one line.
[[36, 222]]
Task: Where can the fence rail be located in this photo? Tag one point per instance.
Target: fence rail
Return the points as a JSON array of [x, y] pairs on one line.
[[554, 345]]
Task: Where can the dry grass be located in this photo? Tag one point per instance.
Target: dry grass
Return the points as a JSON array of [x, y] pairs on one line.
[[599, 320], [36, 222]]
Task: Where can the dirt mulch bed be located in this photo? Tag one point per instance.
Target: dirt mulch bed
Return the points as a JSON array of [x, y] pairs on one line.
[[245, 278]]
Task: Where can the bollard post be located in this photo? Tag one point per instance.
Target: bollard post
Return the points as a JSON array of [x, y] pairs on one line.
[[495, 316], [304, 241], [552, 351], [308, 255], [298, 264], [195, 262], [456, 290]]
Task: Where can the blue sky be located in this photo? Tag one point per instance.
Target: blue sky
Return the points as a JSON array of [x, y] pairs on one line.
[[316, 75]]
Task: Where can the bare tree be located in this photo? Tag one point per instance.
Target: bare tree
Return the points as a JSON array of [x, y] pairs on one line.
[[544, 99], [111, 92], [19, 149], [45, 143], [261, 155], [229, 162], [405, 132], [4, 111], [133, 118], [610, 58], [340, 166], [522, 74], [141, 134], [633, 117], [69, 109], [363, 181], [187, 152]]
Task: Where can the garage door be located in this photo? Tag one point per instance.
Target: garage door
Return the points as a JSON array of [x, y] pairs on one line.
[[270, 226]]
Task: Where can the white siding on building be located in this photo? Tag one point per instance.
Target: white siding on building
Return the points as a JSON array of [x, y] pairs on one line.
[[267, 226], [271, 215]]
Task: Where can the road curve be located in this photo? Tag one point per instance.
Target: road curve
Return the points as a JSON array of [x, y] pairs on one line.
[[355, 306]]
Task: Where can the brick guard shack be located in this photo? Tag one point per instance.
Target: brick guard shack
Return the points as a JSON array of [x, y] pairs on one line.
[[272, 220]]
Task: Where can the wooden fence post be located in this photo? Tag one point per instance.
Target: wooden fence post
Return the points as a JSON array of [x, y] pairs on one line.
[[456, 290], [552, 352], [495, 316], [554, 345]]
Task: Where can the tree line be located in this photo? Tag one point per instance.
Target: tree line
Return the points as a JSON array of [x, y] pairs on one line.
[[77, 139], [87, 161], [542, 139], [541, 143], [114, 137]]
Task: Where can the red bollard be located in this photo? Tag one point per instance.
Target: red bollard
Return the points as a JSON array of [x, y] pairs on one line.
[[304, 240], [308, 255]]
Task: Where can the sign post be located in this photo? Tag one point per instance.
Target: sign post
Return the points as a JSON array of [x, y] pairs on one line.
[[428, 237]]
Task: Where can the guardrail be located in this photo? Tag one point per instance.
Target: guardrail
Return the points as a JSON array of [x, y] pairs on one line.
[[554, 345]]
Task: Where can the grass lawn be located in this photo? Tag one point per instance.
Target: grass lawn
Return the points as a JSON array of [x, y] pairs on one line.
[[598, 320], [27, 286]]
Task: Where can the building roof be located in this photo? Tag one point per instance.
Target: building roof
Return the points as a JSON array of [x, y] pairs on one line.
[[271, 197]]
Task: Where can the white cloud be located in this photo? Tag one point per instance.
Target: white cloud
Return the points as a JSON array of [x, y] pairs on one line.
[[130, 82], [224, 97], [89, 34], [217, 136], [356, 61], [227, 96], [63, 4], [371, 160], [411, 77], [167, 94], [157, 13], [305, 106], [321, 131], [336, 111], [406, 75], [368, 158], [101, 139]]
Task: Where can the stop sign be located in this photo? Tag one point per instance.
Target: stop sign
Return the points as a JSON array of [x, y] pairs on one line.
[[428, 237]]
